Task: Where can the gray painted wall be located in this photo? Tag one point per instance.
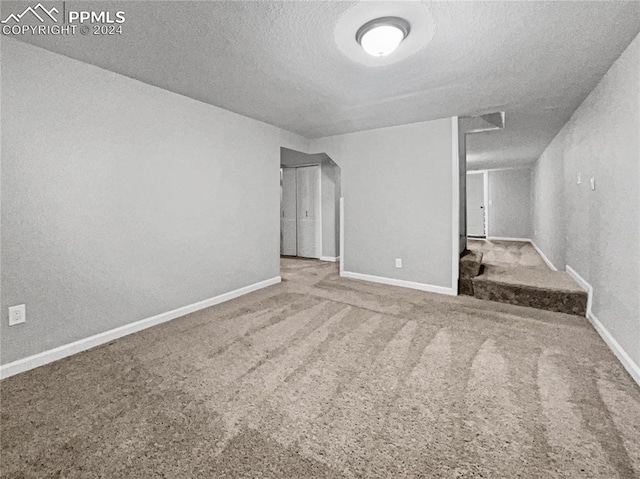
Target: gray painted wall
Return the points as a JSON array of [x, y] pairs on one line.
[[547, 196], [121, 201], [602, 233], [330, 201], [510, 203], [330, 234], [397, 186]]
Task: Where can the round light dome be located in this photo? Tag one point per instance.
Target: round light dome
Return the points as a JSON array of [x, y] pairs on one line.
[[382, 36]]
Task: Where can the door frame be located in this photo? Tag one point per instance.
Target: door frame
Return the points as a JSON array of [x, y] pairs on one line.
[[320, 188], [485, 187], [295, 193]]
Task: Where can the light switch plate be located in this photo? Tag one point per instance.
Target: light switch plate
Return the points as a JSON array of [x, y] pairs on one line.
[[593, 183]]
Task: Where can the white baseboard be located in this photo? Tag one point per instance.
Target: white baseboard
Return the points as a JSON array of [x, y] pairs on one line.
[[583, 284], [507, 238], [329, 258], [544, 256], [400, 282], [46, 357], [632, 368]]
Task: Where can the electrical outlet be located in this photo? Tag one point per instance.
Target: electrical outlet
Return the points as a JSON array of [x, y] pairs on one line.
[[593, 183], [17, 314], [398, 262]]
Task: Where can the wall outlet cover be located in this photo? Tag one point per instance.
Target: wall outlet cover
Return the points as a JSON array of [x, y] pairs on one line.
[[17, 314], [398, 262]]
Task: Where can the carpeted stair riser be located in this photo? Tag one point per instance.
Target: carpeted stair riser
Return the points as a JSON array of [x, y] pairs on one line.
[[568, 302], [465, 286], [470, 264]]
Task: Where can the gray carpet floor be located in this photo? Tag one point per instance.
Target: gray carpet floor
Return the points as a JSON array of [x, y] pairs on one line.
[[323, 377]]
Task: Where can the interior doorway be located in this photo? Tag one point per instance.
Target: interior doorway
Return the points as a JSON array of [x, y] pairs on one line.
[[300, 211], [477, 190], [310, 205]]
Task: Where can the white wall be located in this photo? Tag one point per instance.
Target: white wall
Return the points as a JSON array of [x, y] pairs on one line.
[[330, 194], [510, 203], [398, 186], [547, 196], [121, 201], [597, 233]]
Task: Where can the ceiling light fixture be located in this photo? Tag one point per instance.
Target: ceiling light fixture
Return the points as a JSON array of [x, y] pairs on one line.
[[382, 36]]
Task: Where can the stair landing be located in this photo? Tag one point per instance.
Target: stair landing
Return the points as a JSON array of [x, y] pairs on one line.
[[513, 272]]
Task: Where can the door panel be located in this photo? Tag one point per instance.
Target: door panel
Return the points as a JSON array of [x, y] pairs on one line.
[[308, 193], [475, 205], [288, 217]]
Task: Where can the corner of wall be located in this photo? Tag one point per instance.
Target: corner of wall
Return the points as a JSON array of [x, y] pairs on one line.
[[294, 141]]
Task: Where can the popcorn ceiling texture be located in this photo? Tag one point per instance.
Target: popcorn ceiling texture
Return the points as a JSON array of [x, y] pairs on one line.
[[323, 377], [279, 62]]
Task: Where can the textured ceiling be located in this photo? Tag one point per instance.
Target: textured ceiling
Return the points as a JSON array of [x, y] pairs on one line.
[[290, 63]]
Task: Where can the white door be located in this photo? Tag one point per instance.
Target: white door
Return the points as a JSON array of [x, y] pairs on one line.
[[308, 187], [288, 217], [475, 205]]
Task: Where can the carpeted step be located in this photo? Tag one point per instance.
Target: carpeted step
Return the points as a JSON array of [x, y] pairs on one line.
[[470, 265], [470, 262], [533, 287], [465, 286]]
